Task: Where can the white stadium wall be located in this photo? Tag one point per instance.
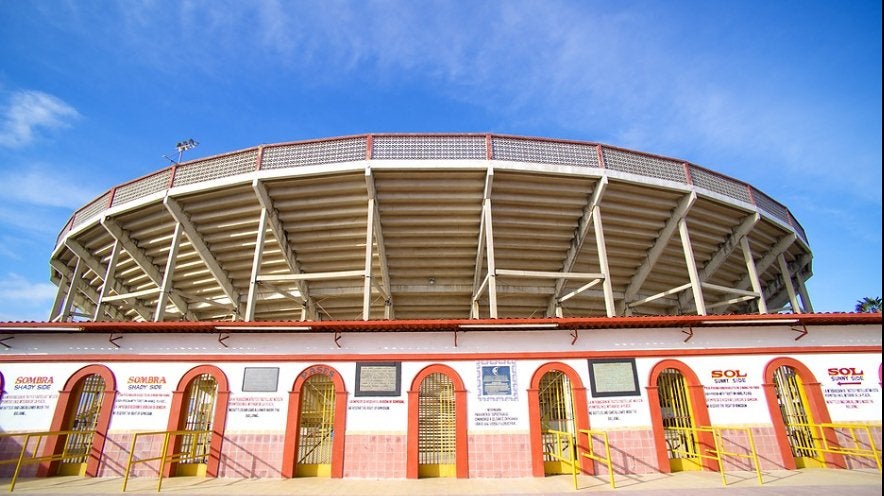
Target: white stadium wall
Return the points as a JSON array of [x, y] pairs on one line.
[[728, 362]]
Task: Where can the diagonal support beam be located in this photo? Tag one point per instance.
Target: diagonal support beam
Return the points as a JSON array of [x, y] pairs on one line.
[[787, 280], [279, 233], [480, 282], [696, 286], [738, 234], [610, 309], [140, 258], [653, 255], [752, 272], [282, 292], [579, 290], [369, 235], [730, 244], [76, 282], [90, 294], [728, 291], [205, 254], [63, 285], [135, 294], [109, 282], [800, 270], [166, 287], [732, 301], [769, 258], [251, 300], [375, 219], [206, 301], [489, 259], [583, 229], [802, 291], [661, 294]]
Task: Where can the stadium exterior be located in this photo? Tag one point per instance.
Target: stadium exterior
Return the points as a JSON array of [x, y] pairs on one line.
[[464, 305]]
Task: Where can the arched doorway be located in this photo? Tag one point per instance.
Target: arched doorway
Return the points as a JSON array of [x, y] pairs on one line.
[[437, 427], [200, 398], [682, 444], [199, 406], [796, 406], [84, 406], [678, 407], [316, 427], [556, 402], [556, 415], [314, 439]]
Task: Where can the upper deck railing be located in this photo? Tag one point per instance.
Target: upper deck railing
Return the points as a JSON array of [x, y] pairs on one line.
[[438, 147]]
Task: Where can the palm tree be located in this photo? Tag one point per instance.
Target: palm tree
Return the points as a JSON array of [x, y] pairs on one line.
[[868, 305]]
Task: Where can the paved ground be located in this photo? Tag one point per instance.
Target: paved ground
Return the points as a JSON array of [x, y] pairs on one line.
[[806, 482]]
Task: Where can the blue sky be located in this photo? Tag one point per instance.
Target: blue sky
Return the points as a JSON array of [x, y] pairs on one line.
[[785, 95]]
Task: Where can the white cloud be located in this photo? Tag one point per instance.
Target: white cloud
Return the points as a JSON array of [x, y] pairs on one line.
[[25, 222], [44, 186], [17, 288], [29, 111], [24, 300]]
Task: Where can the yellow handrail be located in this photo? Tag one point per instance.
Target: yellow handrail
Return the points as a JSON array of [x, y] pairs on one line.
[[163, 458], [845, 431], [718, 452], [588, 453], [34, 457], [564, 444]]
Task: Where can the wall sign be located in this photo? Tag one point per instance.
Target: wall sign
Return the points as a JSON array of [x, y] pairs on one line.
[[613, 377], [260, 379], [378, 378], [497, 380]]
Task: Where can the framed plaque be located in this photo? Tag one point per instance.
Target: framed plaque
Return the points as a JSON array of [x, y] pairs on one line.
[[378, 378], [497, 380], [260, 379], [613, 377]]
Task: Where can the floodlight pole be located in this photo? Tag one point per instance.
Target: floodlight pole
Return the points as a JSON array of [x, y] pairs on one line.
[[183, 146]]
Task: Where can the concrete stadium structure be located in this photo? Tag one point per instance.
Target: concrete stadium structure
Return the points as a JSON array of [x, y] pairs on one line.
[[411, 305], [417, 227]]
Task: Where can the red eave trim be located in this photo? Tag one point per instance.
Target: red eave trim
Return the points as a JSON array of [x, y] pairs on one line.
[[452, 357], [431, 325]]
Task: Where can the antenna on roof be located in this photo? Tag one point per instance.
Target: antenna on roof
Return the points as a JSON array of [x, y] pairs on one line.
[[182, 146]]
